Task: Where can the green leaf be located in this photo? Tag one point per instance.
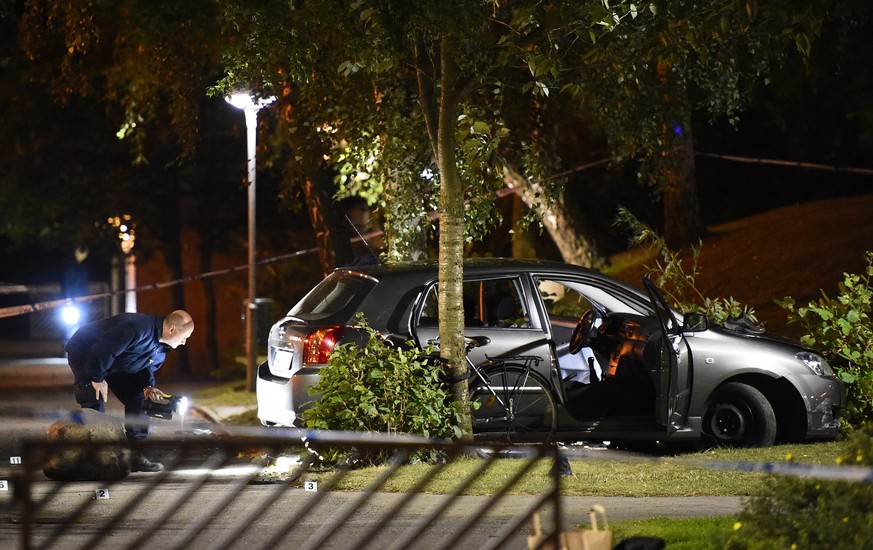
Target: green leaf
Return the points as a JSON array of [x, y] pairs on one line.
[[847, 377], [384, 66], [481, 127]]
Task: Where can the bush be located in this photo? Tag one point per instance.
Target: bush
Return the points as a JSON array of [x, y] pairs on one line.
[[379, 386], [810, 513], [677, 282], [842, 329]]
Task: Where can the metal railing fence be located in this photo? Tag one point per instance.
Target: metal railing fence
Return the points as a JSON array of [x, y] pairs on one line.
[[236, 490]]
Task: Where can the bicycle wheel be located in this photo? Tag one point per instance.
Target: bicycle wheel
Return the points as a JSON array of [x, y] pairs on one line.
[[513, 405]]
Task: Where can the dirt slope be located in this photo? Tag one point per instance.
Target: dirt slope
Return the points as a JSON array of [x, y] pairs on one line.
[[793, 251]]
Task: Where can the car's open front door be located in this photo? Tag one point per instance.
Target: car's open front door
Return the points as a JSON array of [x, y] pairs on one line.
[[674, 389]]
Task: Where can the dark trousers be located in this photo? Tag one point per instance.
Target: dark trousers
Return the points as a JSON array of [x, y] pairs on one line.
[[127, 388]]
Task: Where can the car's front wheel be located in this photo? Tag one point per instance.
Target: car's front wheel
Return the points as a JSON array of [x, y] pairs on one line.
[[739, 415]]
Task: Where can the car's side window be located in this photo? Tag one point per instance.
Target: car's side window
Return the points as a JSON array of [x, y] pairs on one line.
[[564, 304], [561, 301], [500, 303], [430, 312], [487, 303]]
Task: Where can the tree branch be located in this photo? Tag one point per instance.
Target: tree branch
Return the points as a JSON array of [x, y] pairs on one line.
[[426, 90]]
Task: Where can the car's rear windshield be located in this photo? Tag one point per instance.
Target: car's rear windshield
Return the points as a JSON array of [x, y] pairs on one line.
[[334, 299]]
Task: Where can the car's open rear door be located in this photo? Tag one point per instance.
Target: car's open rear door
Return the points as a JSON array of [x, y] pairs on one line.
[[674, 389]]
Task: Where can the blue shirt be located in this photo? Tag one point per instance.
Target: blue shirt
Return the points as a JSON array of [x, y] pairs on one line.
[[129, 342]]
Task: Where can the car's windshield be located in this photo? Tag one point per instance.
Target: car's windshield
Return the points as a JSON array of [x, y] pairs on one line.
[[338, 292]]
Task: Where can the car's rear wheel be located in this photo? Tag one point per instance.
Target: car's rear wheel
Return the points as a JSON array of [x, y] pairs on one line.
[[739, 415], [516, 405]]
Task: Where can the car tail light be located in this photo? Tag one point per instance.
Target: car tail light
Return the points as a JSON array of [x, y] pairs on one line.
[[320, 343]]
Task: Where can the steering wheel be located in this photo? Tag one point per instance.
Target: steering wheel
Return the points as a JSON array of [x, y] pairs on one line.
[[584, 331]]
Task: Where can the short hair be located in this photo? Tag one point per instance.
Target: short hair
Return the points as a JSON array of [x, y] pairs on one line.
[[180, 319]]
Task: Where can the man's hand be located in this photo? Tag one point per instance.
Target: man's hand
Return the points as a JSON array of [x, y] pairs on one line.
[[102, 390], [154, 394]]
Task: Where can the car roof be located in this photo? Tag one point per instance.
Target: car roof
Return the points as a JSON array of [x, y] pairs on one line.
[[398, 282], [472, 266], [414, 273]]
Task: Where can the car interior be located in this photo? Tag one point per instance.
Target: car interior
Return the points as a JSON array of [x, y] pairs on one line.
[[627, 350], [613, 370]]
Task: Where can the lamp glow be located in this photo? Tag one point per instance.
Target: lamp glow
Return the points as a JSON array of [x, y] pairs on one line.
[[167, 406], [70, 314], [244, 100], [182, 405]]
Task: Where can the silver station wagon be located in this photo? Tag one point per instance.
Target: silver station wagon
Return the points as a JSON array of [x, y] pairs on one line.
[[566, 353]]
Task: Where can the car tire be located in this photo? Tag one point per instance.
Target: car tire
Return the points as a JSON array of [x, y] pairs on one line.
[[738, 415]]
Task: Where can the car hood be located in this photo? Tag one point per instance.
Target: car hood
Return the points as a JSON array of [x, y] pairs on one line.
[[762, 336]]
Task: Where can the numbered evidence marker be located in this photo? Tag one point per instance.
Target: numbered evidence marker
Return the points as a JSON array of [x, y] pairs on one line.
[[101, 494], [310, 486], [4, 484]]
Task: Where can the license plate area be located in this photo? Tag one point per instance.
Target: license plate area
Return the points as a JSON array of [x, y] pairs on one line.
[[282, 360]]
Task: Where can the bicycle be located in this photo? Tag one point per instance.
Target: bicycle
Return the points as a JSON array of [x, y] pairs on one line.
[[510, 402]]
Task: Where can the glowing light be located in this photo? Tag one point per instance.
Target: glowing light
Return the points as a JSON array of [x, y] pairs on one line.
[[182, 405], [244, 100], [70, 314], [229, 471]]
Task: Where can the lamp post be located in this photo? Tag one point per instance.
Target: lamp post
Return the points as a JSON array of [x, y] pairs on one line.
[[250, 106]]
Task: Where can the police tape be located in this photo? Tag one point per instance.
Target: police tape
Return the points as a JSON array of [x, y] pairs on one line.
[[51, 304], [789, 468], [588, 452], [857, 474], [24, 309]]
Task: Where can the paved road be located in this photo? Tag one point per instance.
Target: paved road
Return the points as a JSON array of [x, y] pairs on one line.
[[294, 511], [34, 393]]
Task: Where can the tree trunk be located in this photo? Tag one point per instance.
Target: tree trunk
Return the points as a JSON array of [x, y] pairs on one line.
[[441, 116], [683, 225], [564, 229], [522, 244], [332, 230], [451, 271]]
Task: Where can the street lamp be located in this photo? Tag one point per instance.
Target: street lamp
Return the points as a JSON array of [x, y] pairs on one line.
[[250, 106]]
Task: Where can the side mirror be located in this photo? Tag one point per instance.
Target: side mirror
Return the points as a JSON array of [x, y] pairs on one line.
[[695, 322]]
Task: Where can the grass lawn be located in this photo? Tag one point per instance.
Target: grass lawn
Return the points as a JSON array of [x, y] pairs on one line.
[[634, 476], [679, 534], [232, 393], [603, 473]]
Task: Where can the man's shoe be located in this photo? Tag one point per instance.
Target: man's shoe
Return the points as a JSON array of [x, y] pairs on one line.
[[139, 463]]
